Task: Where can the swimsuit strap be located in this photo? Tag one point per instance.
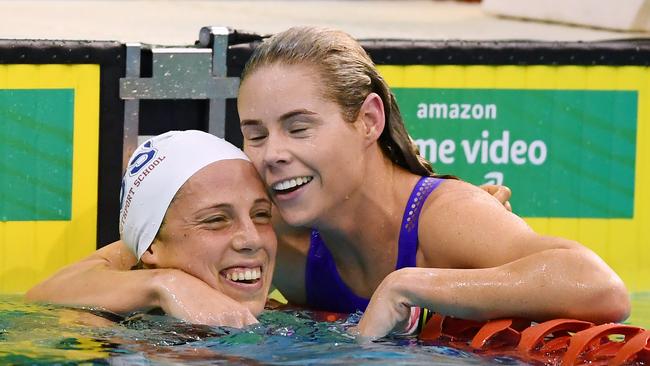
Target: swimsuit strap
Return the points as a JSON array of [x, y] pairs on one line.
[[408, 235]]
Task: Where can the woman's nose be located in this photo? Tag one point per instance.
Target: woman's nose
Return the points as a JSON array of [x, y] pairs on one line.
[[275, 152], [247, 238]]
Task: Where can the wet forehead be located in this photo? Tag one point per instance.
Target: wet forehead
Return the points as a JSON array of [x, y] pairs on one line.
[[223, 182], [275, 89]]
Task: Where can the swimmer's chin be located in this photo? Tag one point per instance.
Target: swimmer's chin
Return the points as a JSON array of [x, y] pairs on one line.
[[295, 218], [254, 306]]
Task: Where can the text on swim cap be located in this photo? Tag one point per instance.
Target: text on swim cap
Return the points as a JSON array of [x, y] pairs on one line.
[[136, 183]]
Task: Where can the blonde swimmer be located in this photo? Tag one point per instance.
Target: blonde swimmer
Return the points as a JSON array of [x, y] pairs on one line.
[[365, 224]]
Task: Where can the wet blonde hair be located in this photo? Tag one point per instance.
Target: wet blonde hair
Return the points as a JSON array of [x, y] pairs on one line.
[[348, 76]]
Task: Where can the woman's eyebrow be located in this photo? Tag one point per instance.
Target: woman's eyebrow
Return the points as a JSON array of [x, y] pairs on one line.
[[250, 122], [283, 117], [263, 200], [294, 113], [207, 209], [227, 206]]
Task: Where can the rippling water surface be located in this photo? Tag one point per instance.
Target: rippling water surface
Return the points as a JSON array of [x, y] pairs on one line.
[[44, 335]]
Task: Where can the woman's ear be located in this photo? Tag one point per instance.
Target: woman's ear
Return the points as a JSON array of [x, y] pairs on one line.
[[151, 258], [372, 117]]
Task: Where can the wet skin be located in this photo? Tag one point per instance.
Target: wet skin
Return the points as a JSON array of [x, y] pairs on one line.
[[301, 137], [477, 261], [220, 233]]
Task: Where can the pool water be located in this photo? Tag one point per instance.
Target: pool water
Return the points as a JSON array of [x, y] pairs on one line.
[[44, 335]]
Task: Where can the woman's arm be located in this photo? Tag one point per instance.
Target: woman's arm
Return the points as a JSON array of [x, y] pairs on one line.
[[486, 263], [104, 279]]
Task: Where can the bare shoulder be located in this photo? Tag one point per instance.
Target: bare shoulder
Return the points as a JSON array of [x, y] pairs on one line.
[[462, 226], [453, 192], [456, 200]]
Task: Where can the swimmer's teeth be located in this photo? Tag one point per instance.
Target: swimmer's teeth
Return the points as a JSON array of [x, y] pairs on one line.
[[291, 183], [247, 275]]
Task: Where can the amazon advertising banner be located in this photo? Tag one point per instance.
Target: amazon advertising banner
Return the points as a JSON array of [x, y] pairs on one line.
[[571, 141], [566, 153]]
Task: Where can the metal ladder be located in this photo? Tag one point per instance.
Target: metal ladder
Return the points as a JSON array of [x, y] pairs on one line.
[[179, 73]]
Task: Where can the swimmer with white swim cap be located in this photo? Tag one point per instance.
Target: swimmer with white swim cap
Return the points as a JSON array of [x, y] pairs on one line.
[[156, 171], [195, 214]]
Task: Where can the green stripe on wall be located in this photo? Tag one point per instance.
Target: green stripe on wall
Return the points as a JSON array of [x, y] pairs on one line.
[[36, 134]]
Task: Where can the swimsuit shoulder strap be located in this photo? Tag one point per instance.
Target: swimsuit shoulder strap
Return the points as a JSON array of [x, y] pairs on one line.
[[408, 236]]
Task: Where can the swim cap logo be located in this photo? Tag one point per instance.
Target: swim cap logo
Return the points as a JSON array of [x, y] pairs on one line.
[[140, 161], [142, 164]]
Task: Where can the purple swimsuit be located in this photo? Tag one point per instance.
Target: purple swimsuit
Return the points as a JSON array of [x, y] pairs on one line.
[[325, 288]]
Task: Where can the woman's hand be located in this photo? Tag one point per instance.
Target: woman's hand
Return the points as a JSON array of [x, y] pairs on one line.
[[387, 312], [501, 193], [188, 298]]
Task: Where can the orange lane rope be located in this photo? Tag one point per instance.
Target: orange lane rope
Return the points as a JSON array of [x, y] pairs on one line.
[[555, 342]]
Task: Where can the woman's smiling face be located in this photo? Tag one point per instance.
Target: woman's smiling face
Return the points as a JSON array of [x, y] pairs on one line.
[[307, 154], [218, 229]]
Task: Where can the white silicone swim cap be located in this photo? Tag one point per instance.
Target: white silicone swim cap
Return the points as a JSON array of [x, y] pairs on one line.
[[157, 170]]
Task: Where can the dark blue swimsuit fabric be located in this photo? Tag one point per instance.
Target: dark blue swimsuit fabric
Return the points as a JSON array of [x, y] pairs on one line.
[[325, 288]]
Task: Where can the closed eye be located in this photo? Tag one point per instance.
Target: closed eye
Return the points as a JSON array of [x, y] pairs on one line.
[[262, 217], [299, 128], [254, 132], [255, 138], [215, 219]]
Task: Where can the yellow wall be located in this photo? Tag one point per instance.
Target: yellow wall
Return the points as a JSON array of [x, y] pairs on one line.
[[32, 250], [623, 243]]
